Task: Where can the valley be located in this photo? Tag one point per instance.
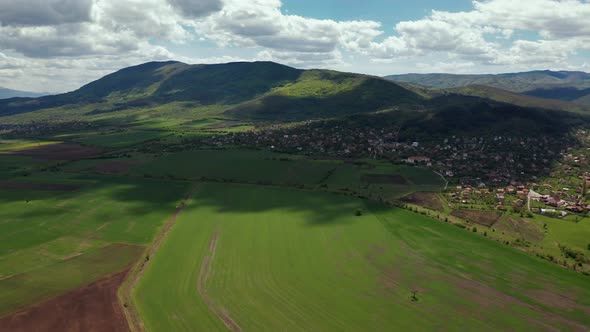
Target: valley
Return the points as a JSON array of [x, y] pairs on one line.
[[254, 196]]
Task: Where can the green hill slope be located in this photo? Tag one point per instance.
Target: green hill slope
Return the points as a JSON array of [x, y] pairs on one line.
[[257, 90], [523, 100], [321, 93], [578, 96]]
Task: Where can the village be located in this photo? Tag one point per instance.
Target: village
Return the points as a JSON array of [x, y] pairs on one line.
[[508, 173]]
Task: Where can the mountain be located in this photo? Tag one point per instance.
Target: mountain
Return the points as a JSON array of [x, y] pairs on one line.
[[8, 93], [524, 100], [249, 90], [514, 82], [578, 96], [323, 93]]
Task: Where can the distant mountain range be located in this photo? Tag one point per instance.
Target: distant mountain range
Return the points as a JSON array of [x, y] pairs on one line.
[[175, 92], [8, 93], [568, 86]]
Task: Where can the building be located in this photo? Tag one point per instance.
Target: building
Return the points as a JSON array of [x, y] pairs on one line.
[[418, 160]]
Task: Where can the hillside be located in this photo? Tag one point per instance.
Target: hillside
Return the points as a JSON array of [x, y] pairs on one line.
[[514, 82], [578, 96], [321, 93], [524, 100], [257, 90], [9, 93]]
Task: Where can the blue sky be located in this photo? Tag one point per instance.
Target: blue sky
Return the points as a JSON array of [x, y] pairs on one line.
[[59, 45], [386, 12]]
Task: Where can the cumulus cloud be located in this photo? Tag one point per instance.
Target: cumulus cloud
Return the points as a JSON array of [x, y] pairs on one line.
[[44, 12], [43, 39], [562, 28], [197, 8], [260, 23]]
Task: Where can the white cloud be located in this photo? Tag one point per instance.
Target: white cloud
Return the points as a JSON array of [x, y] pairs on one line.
[[64, 43], [260, 23], [44, 12]]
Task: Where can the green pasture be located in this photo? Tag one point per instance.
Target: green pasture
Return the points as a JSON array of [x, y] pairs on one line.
[[43, 230], [271, 259]]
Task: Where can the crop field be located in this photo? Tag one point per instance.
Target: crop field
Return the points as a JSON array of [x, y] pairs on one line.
[[238, 165], [61, 231], [121, 139], [245, 258], [251, 251]]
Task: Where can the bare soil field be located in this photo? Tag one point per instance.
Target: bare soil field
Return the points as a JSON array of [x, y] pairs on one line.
[[425, 199], [484, 218], [383, 178], [116, 166], [93, 308], [64, 151]]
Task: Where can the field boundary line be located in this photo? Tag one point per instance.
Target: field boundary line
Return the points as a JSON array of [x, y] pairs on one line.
[[204, 273], [125, 293], [444, 179]]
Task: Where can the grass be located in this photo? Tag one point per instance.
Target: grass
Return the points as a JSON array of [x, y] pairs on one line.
[[40, 231], [238, 165], [51, 280], [13, 145], [351, 273], [121, 139]]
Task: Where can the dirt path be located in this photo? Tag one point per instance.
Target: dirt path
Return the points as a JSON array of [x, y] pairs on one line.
[[126, 289], [204, 274], [90, 308]]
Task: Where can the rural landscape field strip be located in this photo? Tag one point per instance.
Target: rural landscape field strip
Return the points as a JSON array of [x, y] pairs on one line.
[[279, 259], [125, 292], [204, 274], [52, 242], [93, 307]]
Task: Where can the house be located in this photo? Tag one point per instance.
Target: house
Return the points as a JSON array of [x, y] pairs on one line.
[[555, 202], [418, 160], [575, 209]]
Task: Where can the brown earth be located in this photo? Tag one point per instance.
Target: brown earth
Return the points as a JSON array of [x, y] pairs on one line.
[[39, 186], [116, 166], [63, 151], [484, 218], [93, 308], [383, 178], [426, 199]]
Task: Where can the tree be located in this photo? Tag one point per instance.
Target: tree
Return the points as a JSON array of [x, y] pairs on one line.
[[358, 212]]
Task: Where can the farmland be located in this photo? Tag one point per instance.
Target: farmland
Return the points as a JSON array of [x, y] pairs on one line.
[[61, 231], [267, 241], [245, 258], [254, 196]]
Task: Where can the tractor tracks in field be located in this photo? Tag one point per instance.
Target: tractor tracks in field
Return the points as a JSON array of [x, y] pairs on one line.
[[126, 290], [204, 274]]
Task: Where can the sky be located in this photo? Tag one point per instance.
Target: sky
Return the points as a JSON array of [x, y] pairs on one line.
[[59, 45]]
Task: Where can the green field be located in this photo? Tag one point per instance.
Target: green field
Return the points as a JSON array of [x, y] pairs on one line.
[[238, 165], [52, 241], [277, 259], [120, 139]]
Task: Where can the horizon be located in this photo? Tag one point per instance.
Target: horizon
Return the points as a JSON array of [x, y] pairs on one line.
[[45, 93], [59, 46]]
